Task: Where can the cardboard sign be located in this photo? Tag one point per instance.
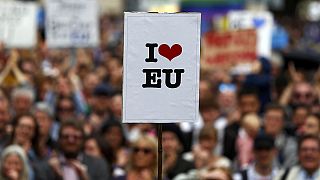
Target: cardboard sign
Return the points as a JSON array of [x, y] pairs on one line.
[[72, 23], [262, 21], [223, 50], [18, 28], [161, 67]]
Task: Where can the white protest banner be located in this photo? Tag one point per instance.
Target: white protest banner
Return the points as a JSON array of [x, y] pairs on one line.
[[161, 67], [72, 23], [262, 21], [18, 26]]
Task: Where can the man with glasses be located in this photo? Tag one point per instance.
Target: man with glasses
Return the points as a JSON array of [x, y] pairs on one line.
[[309, 162], [70, 162], [285, 144]]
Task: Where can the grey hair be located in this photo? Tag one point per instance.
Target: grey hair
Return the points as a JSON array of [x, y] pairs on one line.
[[17, 150], [43, 107], [23, 91]]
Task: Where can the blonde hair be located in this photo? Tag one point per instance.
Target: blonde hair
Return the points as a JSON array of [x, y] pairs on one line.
[[16, 150], [153, 144], [251, 120]]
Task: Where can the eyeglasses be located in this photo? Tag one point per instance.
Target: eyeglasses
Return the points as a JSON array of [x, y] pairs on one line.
[[142, 149], [299, 95], [73, 136], [66, 109], [313, 150]]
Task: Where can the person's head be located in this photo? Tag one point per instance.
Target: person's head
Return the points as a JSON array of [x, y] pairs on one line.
[[248, 100], [91, 147], [312, 125], [205, 89], [208, 137], [264, 150], [65, 109], [22, 100], [13, 163], [251, 124], [102, 95], [299, 115], [172, 138], [303, 93], [274, 119], [63, 86], [116, 105], [71, 138], [209, 110], [112, 132], [144, 153], [4, 113], [216, 173], [25, 130], [309, 153], [227, 98], [44, 116], [90, 81]]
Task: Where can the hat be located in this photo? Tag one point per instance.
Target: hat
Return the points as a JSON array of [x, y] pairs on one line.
[[263, 142], [170, 127], [103, 90]]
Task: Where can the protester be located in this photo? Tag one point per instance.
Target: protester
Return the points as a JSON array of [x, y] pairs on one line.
[[172, 142], [309, 166], [13, 164], [263, 165], [143, 160], [71, 162], [4, 122], [274, 126]]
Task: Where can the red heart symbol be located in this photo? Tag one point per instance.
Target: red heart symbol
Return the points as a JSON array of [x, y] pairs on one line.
[[170, 53]]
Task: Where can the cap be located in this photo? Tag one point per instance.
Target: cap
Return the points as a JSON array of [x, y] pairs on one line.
[[103, 90], [263, 141]]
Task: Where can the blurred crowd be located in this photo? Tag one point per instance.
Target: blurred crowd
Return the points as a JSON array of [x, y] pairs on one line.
[[60, 118]]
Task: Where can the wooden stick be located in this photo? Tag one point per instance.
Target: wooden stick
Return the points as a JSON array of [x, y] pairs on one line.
[[159, 131]]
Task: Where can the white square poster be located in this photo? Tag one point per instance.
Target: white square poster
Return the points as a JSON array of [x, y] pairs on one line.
[[18, 25], [72, 23], [161, 67]]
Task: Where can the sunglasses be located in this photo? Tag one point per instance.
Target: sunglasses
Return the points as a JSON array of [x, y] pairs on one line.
[[301, 95], [141, 149]]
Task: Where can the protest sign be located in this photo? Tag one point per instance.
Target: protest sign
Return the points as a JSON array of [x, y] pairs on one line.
[[18, 24], [224, 50], [262, 21], [161, 67], [72, 23]]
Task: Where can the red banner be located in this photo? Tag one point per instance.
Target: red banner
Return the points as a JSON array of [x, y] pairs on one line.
[[226, 49]]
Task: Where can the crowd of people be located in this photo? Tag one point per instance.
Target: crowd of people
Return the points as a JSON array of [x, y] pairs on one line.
[[60, 118]]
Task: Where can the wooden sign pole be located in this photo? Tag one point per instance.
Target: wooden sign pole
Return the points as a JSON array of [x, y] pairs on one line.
[[159, 131]]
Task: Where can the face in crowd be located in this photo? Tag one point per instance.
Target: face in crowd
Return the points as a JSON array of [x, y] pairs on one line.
[[71, 141], [309, 153], [274, 121], [144, 153]]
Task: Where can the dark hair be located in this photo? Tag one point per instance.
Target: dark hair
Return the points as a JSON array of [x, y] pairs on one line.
[[76, 124], [208, 132], [274, 106], [308, 137], [208, 103], [113, 123], [248, 90], [35, 138]]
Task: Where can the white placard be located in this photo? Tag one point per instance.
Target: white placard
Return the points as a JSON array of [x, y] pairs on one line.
[[72, 23], [262, 21], [18, 27], [161, 67]]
